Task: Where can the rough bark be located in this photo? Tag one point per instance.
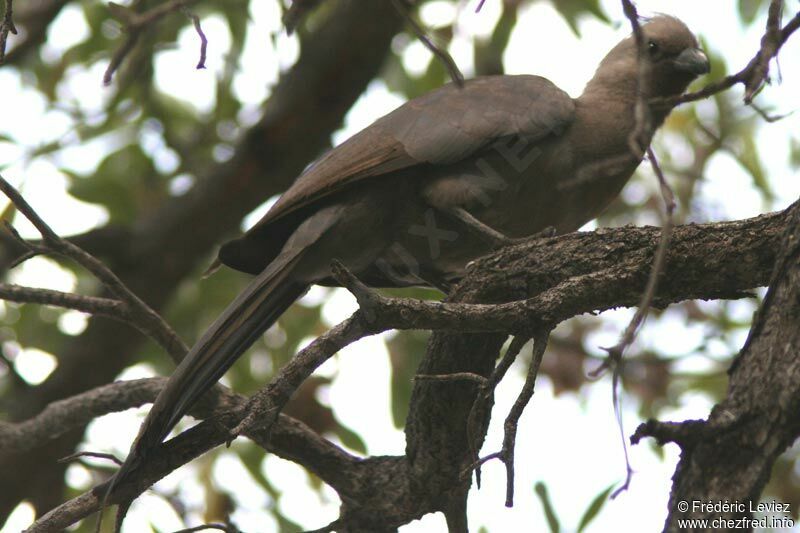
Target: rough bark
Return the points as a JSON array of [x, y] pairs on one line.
[[729, 456], [700, 264], [542, 282]]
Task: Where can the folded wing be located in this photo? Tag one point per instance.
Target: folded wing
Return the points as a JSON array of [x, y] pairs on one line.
[[440, 128]]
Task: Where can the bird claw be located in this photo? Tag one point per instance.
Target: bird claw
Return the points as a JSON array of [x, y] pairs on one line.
[[502, 242], [240, 428]]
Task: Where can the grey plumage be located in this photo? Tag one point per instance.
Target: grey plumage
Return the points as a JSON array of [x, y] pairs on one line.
[[515, 153]]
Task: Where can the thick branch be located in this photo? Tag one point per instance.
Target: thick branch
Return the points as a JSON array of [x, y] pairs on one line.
[[131, 308], [598, 270], [290, 439], [730, 456], [616, 261]]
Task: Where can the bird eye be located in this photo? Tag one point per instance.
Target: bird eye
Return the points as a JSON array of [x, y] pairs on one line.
[[652, 47]]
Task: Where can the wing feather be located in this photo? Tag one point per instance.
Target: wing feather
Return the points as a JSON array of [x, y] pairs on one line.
[[438, 128]]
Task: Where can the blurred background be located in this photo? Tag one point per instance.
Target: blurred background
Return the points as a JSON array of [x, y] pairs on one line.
[[156, 169]]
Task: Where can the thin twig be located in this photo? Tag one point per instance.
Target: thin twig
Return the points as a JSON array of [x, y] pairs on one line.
[[763, 113], [750, 75], [86, 304], [477, 412], [480, 462], [770, 43], [506, 453], [438, 52], [142, 316], [614, 359], [456, 376], [512, 420], [265, 406], [78, 455], [6, 27], [685, 433], [135, 24], [119, 55], [201, 64], [639, 137], [615, 352]]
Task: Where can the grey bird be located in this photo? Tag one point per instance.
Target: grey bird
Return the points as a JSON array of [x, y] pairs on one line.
[[440, 181]]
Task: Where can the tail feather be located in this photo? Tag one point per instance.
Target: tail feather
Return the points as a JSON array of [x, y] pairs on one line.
[[256, 308]]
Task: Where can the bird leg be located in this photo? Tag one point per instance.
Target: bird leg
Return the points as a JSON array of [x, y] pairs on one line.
[[436, 280], [497, 239]]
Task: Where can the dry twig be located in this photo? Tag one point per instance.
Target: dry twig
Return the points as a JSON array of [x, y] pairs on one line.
[[201, 63], [79, 455], [752, 76], [437, 51], [135, 24], [6, 27], [477, 413], [614, 359], [506, 453], [127, 307], [641, 134]]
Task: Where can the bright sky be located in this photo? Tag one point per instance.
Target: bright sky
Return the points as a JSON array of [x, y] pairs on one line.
[[570, 442]]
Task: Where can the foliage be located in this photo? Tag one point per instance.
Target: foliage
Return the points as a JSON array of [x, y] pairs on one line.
[[148, 145]]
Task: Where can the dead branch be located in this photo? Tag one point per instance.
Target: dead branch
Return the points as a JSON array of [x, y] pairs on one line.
[[129, 308], [440, 53], [752, 76], [134, 24]]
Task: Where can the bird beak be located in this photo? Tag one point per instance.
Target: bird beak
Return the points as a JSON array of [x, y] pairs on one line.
[[694, 61]]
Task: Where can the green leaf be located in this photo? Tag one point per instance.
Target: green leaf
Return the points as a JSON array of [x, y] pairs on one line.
[[125, 182], [748, 10], [794, 153], [549, 513], [572, 10], [750, 160], [594, 508], [406, 349], [351, 439], [488, 53]]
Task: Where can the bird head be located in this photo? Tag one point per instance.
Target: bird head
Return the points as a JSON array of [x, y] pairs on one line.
[[675, 60]]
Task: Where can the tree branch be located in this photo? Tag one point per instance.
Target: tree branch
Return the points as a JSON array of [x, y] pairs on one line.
[[730, 456], [616, 264], [129, 307], [692, 265], [6, 27], [159, 252], [752, 76]]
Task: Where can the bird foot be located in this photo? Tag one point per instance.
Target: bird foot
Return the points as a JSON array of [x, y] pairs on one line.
[[503, 241]]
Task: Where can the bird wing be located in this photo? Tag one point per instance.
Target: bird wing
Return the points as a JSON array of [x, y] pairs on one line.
[[438, 128], [441, 127]]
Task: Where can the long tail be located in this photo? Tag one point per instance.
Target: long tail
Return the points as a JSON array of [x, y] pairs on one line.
[[256, 308]]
